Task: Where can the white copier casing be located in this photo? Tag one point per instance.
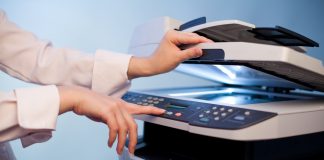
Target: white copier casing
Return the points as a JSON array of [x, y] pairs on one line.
[[271, 67]]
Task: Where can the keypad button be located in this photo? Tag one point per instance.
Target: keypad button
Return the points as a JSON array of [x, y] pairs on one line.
[[222, 109], [169, 113], [149, 97], [150, 101], [216, 118], [215, 113], [145, 104], [204, 119], [139, 103], [230, 110], [201, 115], [198, 107], [239, 117], [208, 111], [178, 114], [214, 108], [161, 99], [247, 113], [223, 114], [144, 100], [156, 102], [155, 98]]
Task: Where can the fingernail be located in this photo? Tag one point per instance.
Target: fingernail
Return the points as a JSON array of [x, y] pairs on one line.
[[131, 156], [209, 40]]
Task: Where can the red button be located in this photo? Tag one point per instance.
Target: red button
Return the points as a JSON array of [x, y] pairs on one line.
[[178, 114]]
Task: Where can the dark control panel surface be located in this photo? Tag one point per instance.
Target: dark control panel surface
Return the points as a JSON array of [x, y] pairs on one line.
[[201, 114]]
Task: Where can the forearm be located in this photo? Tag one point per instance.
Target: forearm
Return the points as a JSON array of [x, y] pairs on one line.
[[139, 67], [68, 99]]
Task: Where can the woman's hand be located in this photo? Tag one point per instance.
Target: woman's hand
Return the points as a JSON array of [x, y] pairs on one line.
[[167, 56], [114, 112]]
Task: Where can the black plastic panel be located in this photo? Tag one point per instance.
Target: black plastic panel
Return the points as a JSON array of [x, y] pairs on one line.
[[209, 55], [201, 114], [283, 36]]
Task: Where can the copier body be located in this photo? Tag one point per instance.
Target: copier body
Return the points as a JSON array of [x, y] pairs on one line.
[[269, 90]]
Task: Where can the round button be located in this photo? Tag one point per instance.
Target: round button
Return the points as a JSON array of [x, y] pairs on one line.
[[206, 120], [223, 114], [169, 113], [178, 114]]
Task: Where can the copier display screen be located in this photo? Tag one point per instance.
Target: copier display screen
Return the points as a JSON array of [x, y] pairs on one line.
[[176, 106]]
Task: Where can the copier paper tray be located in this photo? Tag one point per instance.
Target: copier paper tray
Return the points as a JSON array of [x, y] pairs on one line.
[[275, 51]]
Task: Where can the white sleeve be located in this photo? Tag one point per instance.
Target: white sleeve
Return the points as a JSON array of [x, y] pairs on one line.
[[24, 56], [29, 114], [23, 113]]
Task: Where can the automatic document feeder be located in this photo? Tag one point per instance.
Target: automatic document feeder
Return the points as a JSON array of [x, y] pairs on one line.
[[267, 86]]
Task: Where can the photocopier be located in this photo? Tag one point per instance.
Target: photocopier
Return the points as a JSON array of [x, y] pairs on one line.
[[268, 102]]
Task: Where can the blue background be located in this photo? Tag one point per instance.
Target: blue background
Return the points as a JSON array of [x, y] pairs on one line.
[[108, 24]]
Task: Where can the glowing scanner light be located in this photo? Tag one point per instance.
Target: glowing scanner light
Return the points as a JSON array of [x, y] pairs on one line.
[[200, 93], [228, 72]]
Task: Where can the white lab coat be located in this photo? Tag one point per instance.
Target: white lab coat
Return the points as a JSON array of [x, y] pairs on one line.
[[31, 113]]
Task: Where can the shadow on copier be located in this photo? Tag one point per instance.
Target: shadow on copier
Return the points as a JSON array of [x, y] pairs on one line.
[[270, 104]]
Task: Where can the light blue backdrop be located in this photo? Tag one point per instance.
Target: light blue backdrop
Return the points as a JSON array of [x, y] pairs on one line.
[[108, 24]]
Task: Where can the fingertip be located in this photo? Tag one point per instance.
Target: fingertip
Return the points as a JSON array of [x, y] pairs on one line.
[[131, 149], [198, 52], [161, 111], [119, 150], [110, 143], [208, 40]]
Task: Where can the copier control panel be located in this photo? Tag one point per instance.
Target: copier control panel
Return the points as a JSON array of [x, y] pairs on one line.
[[201, 114]]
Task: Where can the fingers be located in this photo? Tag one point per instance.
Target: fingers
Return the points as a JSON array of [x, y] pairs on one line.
[[122, 132], [191, 53], [121, 124], [185, 38], [132, 134], [137, 109], [113, 128]]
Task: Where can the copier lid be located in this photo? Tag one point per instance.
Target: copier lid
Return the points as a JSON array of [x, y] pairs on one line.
[[247, 56]]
